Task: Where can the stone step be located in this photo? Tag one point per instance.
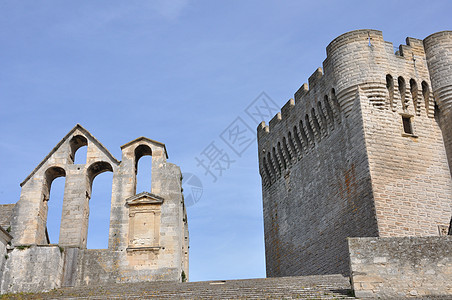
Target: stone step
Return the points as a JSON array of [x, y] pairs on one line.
[[302, 287]]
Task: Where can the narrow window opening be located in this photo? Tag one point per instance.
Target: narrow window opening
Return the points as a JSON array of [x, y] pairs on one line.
[[402, 91], [414, 91], [390, 87], [55, 210], [426, 96], [99, 211], [143, 169], [80, 155], [51, 208], [407, 126]]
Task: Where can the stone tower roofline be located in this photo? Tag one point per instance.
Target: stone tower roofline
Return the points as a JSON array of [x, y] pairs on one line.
[[326, 84], [142, 138], [84, 131]]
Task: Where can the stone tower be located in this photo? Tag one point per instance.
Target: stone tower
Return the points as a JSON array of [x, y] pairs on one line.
[[148, 235], [363, 151]]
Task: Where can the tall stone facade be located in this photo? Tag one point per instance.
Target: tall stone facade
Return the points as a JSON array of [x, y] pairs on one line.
[[364, 151], [148, 236]]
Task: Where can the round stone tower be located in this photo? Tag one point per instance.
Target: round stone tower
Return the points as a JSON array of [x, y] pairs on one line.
[[438, 50]]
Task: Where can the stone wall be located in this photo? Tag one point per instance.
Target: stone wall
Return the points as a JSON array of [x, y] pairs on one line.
[[399, 267], [148, 236], [33, 269], [6, 211], [338, 162]]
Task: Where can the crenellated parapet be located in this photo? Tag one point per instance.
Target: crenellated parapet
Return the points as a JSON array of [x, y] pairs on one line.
[[394, 81]]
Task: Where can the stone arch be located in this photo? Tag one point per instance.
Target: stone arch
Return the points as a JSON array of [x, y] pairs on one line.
[[99, 205], [140, 151], [50, 175], [77, 142]]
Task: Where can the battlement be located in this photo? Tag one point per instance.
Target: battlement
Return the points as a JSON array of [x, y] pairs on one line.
[[398, 82], [355, 152]]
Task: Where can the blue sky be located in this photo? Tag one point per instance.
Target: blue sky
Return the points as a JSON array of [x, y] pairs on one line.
[[179, 72]]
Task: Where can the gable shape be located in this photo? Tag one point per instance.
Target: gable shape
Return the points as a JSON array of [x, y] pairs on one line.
[[88, 135], [142, 138]]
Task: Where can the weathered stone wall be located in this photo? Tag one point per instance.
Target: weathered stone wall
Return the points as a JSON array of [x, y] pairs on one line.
[[438, 49], [6, 211], [102, 267], [148, 237], [32, 269], [401, 267], [316, 184], [337, 162]]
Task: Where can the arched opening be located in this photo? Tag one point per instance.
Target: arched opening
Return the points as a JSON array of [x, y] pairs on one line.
[[413, 90], [390, 87], [402, 91], [100, 177], [52, 207], [426, 96], [143, 169], [79, 149]]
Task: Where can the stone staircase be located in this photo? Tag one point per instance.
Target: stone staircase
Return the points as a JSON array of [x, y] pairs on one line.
[[304, 287]]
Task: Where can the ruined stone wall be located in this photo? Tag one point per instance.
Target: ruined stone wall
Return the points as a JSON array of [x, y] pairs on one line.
[[438, 49], [400, 267], [6, 211], [148, 236], [33, 269], [337, 162]]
